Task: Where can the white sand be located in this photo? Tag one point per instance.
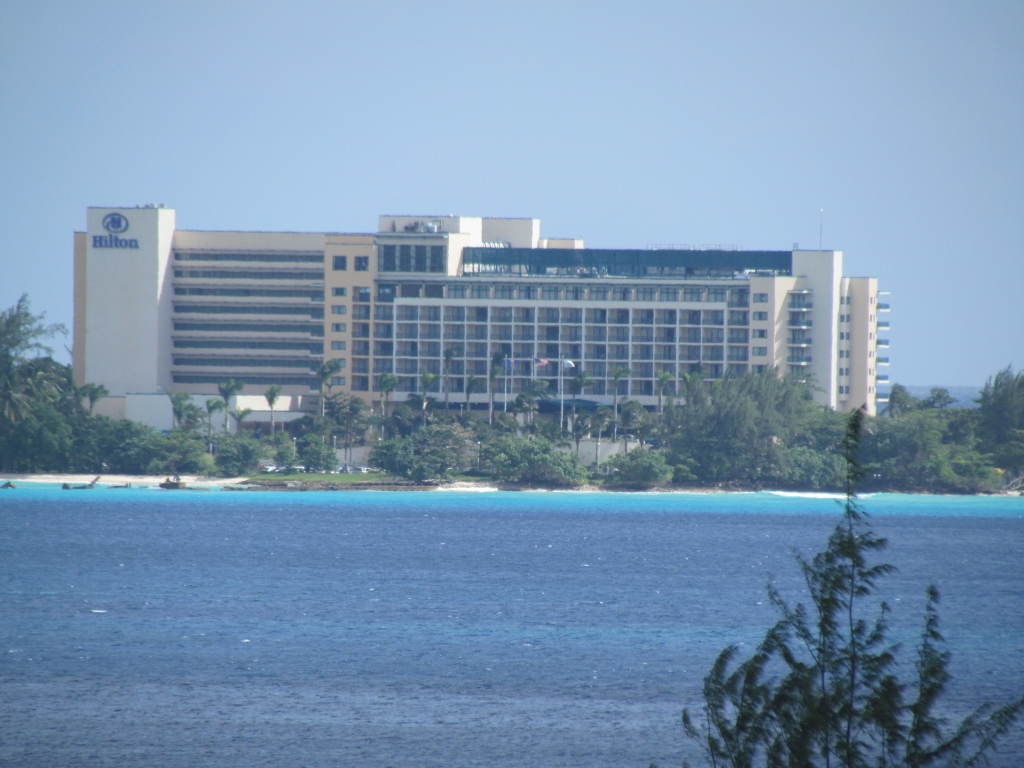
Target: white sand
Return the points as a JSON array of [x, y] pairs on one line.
[[135, 480]]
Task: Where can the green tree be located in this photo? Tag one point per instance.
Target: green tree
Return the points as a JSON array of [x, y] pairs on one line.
[[238, 454], [213, 405], [938, 397], [901, 402], [532, 462], [599, 422], [386, 384], [1001, 421], [433, 453], [316, 455], [473, 385], [427, 380], [271, 395], [639, 469], [621, 372], [664, 379], [323, 377], [228, 389], [93, 393], [449, 354], [495, 372], [839, 700], [577, 384]]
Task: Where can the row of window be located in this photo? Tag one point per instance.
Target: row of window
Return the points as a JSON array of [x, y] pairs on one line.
[[307, 258], [288, 381], [233, 274], [241, 309], [737, 297], [272, 293], [294, 328], [304, 346], [384, 350], [550, 315], [249, 362], [360, 263], [411, 258]]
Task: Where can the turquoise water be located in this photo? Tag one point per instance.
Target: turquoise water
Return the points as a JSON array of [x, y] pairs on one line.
[[437, 628]]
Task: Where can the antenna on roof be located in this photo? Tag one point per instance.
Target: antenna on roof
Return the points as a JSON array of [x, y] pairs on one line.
[[821, 225]]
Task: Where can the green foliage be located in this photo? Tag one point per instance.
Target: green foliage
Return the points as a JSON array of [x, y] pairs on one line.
[[433, 453], [640, 468], [532, 462], [823, 688], [237, 455], [1001, 420], [316, 455]]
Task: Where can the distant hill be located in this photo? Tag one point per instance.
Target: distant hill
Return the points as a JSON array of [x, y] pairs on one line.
[[965, 396]]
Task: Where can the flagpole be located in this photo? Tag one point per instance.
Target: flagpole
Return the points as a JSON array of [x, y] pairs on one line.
[[561, 397], [504, 402]]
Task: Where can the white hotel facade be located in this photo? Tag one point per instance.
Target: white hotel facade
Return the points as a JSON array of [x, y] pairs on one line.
[[160, 310]]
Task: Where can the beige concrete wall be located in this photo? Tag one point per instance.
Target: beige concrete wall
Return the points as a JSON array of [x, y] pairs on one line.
[[821, 272], [80, 297], [350, 246], [863, 293], [518, 233], [200, 240], [127, 301]]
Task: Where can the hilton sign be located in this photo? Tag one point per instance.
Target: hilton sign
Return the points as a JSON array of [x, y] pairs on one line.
[[115, 224]]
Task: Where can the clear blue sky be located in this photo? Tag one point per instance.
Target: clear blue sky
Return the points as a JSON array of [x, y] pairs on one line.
[[628, 124]]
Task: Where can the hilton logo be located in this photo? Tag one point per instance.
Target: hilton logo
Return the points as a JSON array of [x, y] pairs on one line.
[[115, 224]]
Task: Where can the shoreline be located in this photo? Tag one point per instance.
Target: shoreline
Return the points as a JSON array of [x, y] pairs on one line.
[[266, 485]]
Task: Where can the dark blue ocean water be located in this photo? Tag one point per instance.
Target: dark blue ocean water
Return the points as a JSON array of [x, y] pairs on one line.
[[440, 628]]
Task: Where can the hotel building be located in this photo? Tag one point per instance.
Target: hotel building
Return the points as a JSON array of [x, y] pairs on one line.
[[161, 310]]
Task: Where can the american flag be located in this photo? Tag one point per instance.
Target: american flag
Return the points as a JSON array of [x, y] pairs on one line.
[[540, 361]]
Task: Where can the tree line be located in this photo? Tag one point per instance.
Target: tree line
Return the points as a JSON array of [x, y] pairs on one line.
[[755, 430]]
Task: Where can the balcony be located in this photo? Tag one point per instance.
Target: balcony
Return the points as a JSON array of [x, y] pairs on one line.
[[798, 360], [883, 307], [882, 377], [799, 323], [799, 342], [883, 325], [801, 307], [882, 343], [883, 360]]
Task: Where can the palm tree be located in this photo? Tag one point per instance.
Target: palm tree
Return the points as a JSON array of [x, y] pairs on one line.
[[94, 392], [497, 369], [599, 421], [179, 401], [427, 380], [229, 389], [580, 428], [213, 405], [271, 395], [386, 384], [448, 355], [664, 377], [621, 372], [473, 385], [240, 415], [526, 405], [536, 389], [323, 375], [576, 385]]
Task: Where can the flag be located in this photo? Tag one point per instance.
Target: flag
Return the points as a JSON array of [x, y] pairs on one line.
[[568, 364], [540, 361]]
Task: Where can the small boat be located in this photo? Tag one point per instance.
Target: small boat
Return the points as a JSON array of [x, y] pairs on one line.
[[87, 487], [173, 485], [8, 484]]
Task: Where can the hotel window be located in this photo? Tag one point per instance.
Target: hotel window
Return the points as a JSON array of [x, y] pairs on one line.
[[420, 260], [361, 365], [669, 294], [760, 298], [505, 292], [759, 351], [339, 291], [575, 293], [480, 292], [622, 294], [361, 348], [759, 333], [551, 292], [381, 348], [760, 317], [437, 258], [362, 263], [716, 294], [693, 294], [759, 368], [384, 312], [338, 328], [405, 258], [362, 295], [360, 383], [340, 263], [456, 291], [337, 381], [645, 294], [338, 346], [599, 294], [386, 259], [361, 312], [361, 330], [528, 292], [736, 317], [386, 292], [339, 309]]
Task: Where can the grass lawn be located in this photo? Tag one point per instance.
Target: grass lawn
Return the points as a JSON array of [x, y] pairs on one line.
[[369, 477]]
